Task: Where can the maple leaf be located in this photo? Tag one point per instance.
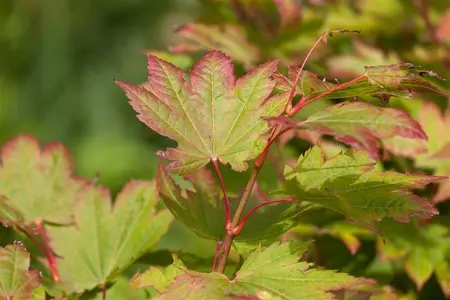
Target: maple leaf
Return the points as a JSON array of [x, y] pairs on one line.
[[37, 185], [431, 154], [348, 184], [225, 37], [360, 124], [212, 117], [15, 279], [104, 240], [201, 208], [381, 82], [426, 251], [274, 272]]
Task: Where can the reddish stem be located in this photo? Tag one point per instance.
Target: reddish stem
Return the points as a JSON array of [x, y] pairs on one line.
[[104, 291], [50, 256], [227, 202], [238, 228], [302, 104], [33, 239], [219, 245], [262, 157], [294, 87]]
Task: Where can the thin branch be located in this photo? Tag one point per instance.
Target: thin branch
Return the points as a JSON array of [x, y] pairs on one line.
[[322, 38], [294, 86], [300, 105], [33, 239], [219, 245], [50, 257], [227, 202], [104, 291], [229, 236], [238, 229], [262, 157]]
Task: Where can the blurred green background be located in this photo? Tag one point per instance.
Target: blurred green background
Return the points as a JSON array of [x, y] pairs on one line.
[[58, 59]]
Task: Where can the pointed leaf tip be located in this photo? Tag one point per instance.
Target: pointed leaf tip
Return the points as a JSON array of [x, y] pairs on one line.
[[211, 117], [348, 184]]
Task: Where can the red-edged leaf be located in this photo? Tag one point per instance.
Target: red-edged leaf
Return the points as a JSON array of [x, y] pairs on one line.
[[360, 124], [347, 183], [212, 117], [225, 37], [37, 185], [15, 279], [398, 77]]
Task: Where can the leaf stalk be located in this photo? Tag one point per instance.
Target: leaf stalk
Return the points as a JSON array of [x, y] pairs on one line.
[[49, 253]]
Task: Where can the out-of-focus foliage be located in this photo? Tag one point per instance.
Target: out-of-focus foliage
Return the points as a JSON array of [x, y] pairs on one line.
[[58, 60]]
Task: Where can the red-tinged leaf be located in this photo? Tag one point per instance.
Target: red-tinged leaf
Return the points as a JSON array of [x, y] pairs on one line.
[[225, 37], [402, 76], [289, 11], [360, 124], [37, 185], [381, 82], [443, 192], [347, 183], [15, 280], [211, 117]]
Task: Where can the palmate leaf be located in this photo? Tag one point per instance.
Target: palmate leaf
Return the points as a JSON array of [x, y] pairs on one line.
[[201, 208], [36, 185], [15, 280], [348, 184], [381, 82], [271, 273], [360, 124], [426, 250], [212, 117], [105, 239], [431, 154]]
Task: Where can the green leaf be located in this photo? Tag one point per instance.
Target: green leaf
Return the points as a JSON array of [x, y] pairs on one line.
[[212, 117], [425, 250], [15, 279], [348, 184], [158, 278], [105, 239], [271, 273], [360, 124], [37, 185], [202, 208]]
